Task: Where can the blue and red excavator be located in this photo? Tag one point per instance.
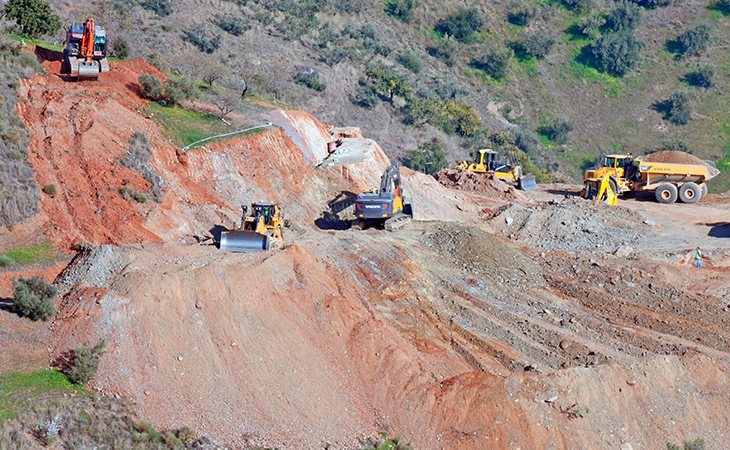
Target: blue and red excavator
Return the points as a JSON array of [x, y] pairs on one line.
[[85, 50]]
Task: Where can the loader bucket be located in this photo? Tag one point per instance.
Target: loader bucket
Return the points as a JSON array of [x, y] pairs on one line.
[[244, 242], [528, 182]]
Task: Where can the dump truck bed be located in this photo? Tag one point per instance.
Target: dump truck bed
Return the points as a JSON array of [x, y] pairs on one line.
[[658, 172]]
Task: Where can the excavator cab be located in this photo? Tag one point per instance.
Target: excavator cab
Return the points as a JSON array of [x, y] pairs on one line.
[[386, 206]]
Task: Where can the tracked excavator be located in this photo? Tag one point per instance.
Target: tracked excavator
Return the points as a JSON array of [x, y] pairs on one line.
[[386, 206], [86, 50], [507, 169], [262, 228]]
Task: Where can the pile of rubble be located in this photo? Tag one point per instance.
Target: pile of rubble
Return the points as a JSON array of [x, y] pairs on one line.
[[486, 184], [482, 254], [570, 225]]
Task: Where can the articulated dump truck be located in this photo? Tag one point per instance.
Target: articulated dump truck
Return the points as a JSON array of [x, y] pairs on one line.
[[669, 181]]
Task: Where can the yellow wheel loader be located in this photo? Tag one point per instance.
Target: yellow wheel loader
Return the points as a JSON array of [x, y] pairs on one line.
[[262, 228], [507, 169]]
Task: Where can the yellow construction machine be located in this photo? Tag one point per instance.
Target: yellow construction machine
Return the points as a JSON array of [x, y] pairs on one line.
[[507, 169], [669, 181], [262, 228], [605, 193]]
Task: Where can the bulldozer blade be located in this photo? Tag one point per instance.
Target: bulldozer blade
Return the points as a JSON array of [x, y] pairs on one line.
[[244, 242], [528, 182]]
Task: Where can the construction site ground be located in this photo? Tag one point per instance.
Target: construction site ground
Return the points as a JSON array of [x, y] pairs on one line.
[[519, 320]]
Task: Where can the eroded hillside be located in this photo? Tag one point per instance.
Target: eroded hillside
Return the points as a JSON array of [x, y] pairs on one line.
[[504, 321]]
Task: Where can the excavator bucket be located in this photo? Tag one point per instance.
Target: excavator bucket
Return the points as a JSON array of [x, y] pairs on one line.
[[244, 242], [528, 182], [89, 71]]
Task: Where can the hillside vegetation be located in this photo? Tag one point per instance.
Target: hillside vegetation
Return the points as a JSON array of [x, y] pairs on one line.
[[561, 80]]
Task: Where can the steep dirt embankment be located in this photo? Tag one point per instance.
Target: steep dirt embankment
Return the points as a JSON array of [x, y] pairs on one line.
[[442, 333]]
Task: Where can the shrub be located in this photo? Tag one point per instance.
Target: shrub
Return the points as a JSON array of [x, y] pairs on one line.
[[578, 5], [652, 4], [33, 298], [233, 24], [140, 197], [704, 77], [465, 120], [160, 7], [410, 60], [462, 25], [310, 78], [180, 89], [625, 16], [445, 50], [6, 261], [366, 96], [617, 53], [590, 26], [694, 41], [677, 108], [528, 143], [120, 48], [126, 192], [557, 130], [34, 17], [152, 86], [349, 6], [401, 9], [521, 14], [536, 44], [49, 189], [206, 41], [495, 63], [388, 83], [723, 6], [429, 158], [86, 362]]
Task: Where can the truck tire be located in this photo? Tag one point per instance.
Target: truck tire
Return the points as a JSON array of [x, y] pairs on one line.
[[666, 193], [690, 193], [703, 188]]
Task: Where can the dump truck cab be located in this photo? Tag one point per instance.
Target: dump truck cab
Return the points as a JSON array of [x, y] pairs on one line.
[[619, 167]]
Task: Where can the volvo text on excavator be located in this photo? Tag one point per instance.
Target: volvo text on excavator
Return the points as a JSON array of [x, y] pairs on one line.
[[85, 51], [262, 228], [386, 206]]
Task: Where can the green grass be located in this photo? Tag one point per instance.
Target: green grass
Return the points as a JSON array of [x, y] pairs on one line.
[[613, 85], [184, 126], [18, 389], [32, 254], [36, 42], [722, 182]]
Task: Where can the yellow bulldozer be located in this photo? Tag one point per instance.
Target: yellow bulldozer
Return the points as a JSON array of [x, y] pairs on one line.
[[262, 228], [507, 169]]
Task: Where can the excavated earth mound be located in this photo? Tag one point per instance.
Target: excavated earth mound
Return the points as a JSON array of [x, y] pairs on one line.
[[571, 224], [486, 184], [679, 157]]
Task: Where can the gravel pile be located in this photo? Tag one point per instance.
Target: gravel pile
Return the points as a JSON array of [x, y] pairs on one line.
[[570, 225], [94, 267], [483, 254]]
